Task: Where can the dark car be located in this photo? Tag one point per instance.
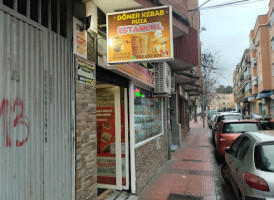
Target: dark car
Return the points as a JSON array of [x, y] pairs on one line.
[[265, 121]]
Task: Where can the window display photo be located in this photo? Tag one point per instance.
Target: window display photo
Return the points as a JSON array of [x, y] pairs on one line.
[[147, 115]]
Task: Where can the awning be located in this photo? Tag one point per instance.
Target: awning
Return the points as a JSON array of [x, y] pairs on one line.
[[265, 94]]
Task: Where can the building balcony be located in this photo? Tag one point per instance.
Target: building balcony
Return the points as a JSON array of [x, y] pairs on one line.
[[243, 83], [185, 51]]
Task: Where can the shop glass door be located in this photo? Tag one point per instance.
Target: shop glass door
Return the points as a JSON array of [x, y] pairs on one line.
[[112, 137]]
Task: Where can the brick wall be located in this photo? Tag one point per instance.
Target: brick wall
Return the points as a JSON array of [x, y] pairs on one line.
[[86, 143], [178, 6]]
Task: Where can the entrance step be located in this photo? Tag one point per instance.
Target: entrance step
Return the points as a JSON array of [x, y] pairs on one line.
[[174, 147], [117, 195]]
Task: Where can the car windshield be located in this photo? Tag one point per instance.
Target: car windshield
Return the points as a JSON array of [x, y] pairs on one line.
[[255, 116], [240, 127], [264, 157], [229, 117]]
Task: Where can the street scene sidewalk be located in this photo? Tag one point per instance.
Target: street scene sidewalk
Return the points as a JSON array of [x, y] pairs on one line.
[[192, 172]]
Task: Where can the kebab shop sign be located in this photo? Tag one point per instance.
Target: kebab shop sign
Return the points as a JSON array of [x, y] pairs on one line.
[[140, 35]]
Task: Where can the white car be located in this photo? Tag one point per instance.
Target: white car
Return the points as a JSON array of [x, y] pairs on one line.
[[249, 165]]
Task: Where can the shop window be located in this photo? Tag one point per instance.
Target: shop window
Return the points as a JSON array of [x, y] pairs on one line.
[[147, 115], [262, 108], [272, 44]]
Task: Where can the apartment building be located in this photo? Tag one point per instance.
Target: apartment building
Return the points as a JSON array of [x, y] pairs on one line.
[[262, 63], [242, 85], [222, 102]]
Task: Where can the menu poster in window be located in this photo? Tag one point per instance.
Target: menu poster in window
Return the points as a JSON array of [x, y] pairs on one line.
[[106, 164], [123, 139]]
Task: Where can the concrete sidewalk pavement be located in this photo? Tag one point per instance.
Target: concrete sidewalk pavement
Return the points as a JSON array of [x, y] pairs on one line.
[[190, 173]]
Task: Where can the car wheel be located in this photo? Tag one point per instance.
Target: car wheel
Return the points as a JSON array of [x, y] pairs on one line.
[[213, 140], [224, 173], [219, 159], [240, 196]]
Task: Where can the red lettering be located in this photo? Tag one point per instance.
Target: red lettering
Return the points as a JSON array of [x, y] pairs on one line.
[[129, 29], [4, 107], [120, 30], [142, 28], [19, 119], [148, 27]]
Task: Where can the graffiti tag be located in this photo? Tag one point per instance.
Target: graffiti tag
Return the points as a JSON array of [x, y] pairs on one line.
[[20, 119]]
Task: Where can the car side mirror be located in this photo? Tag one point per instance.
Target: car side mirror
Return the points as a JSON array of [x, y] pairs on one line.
[[227, 150]]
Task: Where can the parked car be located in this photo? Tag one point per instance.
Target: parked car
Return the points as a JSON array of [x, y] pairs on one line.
[[228, 131], [210, 112], [212, 118], [249, 165], [223, 116], [234, 111], [265, 121]]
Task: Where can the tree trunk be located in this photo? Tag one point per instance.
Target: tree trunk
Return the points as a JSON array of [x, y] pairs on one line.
[[195, 114]]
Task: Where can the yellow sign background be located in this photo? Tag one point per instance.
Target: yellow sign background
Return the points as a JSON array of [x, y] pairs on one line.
[[140, 35]]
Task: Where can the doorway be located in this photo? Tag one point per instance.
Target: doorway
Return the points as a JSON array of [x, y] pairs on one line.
[[112, 137]]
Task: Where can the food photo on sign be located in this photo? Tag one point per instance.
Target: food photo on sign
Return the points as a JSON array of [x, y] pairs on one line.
[[140, 35], [106, 164]]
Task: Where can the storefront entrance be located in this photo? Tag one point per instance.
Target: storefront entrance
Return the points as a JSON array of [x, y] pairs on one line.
[[112, 137]]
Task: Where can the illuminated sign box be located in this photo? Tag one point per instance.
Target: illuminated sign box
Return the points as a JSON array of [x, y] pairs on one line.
[[140, 35]]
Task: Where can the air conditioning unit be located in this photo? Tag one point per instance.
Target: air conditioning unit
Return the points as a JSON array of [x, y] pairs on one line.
[[253, 62], [254, 80], [251, 46], [163, 80], [256, 43], [172, 89]]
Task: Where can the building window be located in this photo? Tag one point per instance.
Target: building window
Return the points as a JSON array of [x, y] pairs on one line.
[[51, 14], [271, 18], [272, 69], [147, 115], [272, 44], [260, 79]]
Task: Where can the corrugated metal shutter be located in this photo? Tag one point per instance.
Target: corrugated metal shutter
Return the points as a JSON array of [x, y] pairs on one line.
[[58, 148], [35, 137]]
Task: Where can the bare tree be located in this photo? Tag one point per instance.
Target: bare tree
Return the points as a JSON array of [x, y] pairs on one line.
[[210, 72]]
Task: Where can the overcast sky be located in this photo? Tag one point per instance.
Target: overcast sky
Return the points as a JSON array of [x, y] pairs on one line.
[[227, 32]]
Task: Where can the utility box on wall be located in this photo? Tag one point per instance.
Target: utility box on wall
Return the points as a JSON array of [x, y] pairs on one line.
[[163, 78]]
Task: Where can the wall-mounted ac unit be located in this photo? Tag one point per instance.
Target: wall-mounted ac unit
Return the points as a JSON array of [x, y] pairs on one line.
[[253, 62], [251, 46], [254, 80], [162, 78], [172, 89]]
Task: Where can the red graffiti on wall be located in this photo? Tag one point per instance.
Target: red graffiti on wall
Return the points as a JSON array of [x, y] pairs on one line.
[[20, 119]]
